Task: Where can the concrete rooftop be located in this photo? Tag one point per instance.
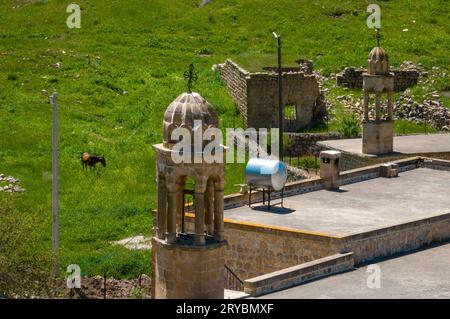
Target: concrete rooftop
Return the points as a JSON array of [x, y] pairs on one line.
[[422, 274], [359, 207], [408, 144]]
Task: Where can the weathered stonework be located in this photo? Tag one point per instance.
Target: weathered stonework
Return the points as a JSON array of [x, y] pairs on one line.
[[299, 274], [256, 249], [256, 95], [392, 240], [378, 137], [329, 169], [403, 78], [180, 275], [378, 132], [188, 264], [304, 144]]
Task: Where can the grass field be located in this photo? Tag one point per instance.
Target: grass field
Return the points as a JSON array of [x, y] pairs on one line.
[[122, 68]]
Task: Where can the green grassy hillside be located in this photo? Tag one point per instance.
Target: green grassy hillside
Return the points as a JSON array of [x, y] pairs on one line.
[[117, 74]]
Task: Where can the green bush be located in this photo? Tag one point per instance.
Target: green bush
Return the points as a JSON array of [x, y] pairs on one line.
[[349, 127], [24, 270]]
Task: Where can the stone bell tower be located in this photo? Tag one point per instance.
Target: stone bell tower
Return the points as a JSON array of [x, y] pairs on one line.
[[378, 132], [189, 264]]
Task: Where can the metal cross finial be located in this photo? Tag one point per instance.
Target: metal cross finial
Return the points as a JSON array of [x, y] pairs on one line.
[[190, 76], [378, 36]]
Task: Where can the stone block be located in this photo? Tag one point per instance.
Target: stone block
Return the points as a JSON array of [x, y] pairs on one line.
[[389, 170], [378, 137]]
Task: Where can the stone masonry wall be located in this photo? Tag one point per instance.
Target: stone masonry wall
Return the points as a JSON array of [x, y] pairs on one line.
[[299, 274], [403, 78], [303, 144], [257, 250], [257, 96], [188, 271], [235, 79], [381, 243], [299, 90], [254, 251]]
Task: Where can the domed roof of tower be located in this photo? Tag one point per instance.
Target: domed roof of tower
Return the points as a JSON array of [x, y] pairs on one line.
[[378, 62], [185, 111]]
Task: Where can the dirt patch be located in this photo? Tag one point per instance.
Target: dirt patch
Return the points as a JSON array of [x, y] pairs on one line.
[[93, 288]]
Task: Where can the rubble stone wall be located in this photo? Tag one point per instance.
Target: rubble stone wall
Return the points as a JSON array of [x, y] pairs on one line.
[[403, 78], [235, 79], [257, 96], [304, 144]]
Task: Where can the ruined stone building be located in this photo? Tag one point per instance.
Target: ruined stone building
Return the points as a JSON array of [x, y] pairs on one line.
[[405, 76], [256, 95]]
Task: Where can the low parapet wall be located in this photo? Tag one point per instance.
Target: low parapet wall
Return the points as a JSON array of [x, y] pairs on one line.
[[258, 249], [299, 274], [350, 160], [316, 183]]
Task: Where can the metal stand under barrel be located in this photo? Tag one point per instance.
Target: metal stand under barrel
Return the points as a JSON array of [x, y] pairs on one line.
[[264, 189]]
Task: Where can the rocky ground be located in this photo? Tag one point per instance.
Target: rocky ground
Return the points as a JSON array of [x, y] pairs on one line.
[[93, 288], [13, 184], [431, 109], [407, 106]]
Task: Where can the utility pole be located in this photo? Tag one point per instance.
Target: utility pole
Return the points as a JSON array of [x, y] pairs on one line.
[[55, 207], [280, 99]]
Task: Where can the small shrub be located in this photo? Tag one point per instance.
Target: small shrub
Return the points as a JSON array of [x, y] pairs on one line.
[[24, 272], [309, 162], [204, 51], [349, 127], [12, 77]]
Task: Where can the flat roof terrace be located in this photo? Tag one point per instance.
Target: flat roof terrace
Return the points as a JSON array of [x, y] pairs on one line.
[[407, 144], [359, 207]]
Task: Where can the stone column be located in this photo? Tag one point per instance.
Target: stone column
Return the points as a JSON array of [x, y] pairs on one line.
[[161, 221], [209, 209], [389, 104], [199, 236], [377, 106], [179, 211], [218, 210], [172, 217], [366, 106]]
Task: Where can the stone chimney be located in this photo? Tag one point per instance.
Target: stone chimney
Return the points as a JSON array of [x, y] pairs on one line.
[[329, 169]]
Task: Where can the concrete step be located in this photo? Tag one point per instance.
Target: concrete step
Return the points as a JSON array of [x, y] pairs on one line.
[[296, 275], [233, 294]]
